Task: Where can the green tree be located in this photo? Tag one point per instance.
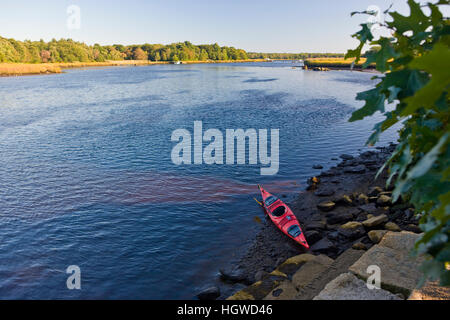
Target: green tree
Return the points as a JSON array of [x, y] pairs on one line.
[[415, 63]]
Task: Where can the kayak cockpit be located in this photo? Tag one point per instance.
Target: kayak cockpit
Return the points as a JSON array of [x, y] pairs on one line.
[[279, 211]]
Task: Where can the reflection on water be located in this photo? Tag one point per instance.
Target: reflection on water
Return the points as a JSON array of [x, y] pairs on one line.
[[86, 176]]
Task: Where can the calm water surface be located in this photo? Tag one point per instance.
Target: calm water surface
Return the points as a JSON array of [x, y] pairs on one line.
[[86, 176]]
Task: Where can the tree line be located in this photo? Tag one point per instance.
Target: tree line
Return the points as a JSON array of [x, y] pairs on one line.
[[293, 56], [68, 50]]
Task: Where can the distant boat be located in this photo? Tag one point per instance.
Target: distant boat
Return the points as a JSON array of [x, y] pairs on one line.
[[177, 62]]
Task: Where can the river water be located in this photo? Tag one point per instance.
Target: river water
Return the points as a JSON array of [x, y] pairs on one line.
[[86, 176]]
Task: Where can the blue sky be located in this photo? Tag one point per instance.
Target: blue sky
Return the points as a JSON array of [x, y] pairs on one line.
[[262, 26]]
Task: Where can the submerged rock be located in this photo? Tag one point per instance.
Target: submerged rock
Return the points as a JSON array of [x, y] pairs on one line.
[[358, 169], [232, 275], [211, 293], [346, 157], [317, 166]]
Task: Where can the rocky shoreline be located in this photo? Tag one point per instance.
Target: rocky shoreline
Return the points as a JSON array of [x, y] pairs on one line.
[[344, 212]]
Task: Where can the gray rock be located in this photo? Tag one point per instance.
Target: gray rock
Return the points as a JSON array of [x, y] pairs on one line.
[[359, 246], [310, 270], [344, 199], [324, 193], [413, 228], [369, 208], [316, 225], [211, 293], [260, 275], [384, 201], [324, 246], [232, 275], [326, 206], [352, 230], [391, 226], [348, 287], [375, 221], [376, 235], [362, 199], [312, 237], [336, 218], [375, 191]]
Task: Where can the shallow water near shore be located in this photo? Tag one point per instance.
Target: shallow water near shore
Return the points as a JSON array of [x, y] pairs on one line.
[[86, 176]]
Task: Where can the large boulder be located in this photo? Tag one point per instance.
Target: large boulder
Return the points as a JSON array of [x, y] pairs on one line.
[[285, 291], [310, 270], [291, 265], [348, 287], [399, 271]]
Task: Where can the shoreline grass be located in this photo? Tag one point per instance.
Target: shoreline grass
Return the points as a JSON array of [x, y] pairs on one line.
[[22, 69]]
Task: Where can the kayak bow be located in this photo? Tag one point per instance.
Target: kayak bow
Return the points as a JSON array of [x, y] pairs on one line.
[[282, 216]]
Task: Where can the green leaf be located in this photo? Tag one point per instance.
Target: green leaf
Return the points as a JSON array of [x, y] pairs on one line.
[[436, 63], [374, 102]]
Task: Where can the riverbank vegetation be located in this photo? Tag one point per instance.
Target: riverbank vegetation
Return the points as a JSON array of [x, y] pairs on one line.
[[334, 63], [415, 61]]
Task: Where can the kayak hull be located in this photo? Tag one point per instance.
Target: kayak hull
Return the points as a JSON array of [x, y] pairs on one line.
[[283, 217]]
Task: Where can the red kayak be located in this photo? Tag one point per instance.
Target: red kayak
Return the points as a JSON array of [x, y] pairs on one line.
[[283, 217]]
